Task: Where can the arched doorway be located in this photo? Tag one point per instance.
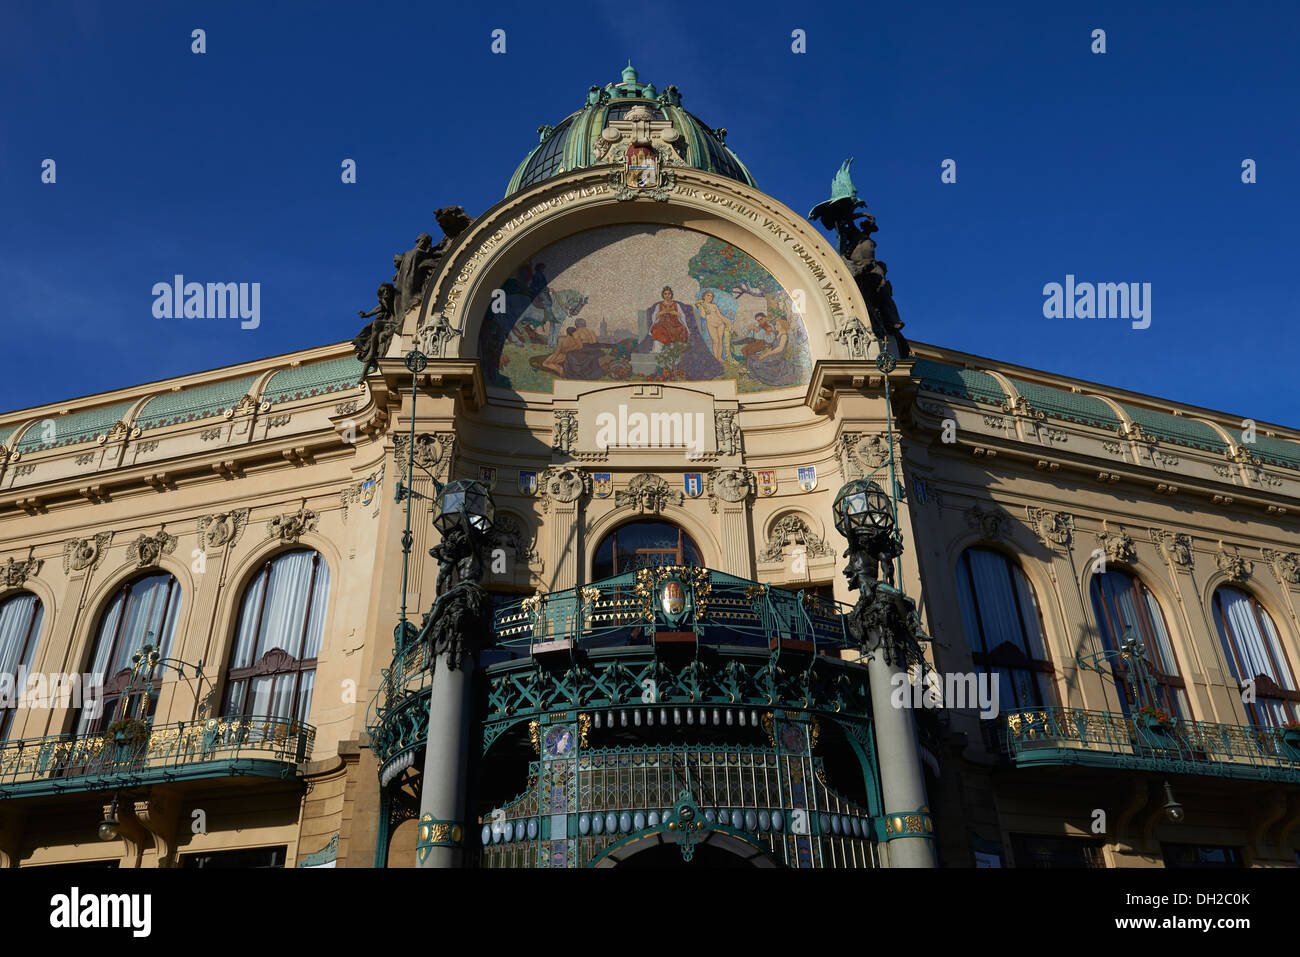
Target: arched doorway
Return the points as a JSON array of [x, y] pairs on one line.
[[717, 847], [643, 544]]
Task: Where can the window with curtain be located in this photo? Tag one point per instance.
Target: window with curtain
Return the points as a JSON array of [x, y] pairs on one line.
[[1124, 606], [1254, 651], [1004, 629], [21, 616], [281, 628], [143, 611]]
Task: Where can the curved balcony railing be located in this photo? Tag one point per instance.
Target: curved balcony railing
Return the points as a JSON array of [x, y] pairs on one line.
[[1106, 738], [183, 749], [624, 610], [720, 610]]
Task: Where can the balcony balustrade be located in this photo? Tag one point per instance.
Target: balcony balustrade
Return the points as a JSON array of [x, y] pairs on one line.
[[1059, 736], [256, 745]]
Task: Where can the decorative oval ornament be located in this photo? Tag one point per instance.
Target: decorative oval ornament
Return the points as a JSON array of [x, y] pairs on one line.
[[673, 598]]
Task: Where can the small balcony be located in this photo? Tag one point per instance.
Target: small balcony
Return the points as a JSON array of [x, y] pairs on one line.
[[245, 745], [1064, 736]]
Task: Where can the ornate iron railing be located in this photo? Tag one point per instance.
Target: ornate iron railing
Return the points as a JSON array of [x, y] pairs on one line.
[[1075, 736], [621, 611], [68, 760], [725, 610]]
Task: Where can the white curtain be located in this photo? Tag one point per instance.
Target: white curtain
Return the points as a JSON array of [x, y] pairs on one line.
[[286, 608], [1007, 609], [1254, 637], [283, 609], [20, 632], [20, 617]]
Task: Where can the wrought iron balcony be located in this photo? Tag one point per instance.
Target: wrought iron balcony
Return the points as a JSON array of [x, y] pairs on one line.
[[626, 626], [254, 745], [719, 609], [1056, 736]]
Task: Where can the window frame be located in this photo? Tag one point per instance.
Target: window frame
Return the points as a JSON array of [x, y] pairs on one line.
[[9, 715], [1168, 686], [1273, 690], [994, 660], [276, 662]]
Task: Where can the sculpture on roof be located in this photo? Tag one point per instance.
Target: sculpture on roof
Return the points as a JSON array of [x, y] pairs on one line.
[[415, 269], [845, 213], [372, 342]]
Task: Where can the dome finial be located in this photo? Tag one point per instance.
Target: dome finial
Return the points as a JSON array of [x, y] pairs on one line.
[[629, 73]]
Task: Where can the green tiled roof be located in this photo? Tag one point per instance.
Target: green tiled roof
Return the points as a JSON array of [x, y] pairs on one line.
[[1276, 451], [1070, 406], [318, 378], [950, 380], [1178, 429], [4, 435], [72, 429], [199, 402]]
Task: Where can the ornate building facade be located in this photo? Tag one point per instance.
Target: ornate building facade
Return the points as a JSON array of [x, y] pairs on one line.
[[665, 376]]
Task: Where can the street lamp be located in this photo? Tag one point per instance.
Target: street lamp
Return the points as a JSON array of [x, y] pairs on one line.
[[1173, 810], [468, 497], [862, 507], [108, 827]]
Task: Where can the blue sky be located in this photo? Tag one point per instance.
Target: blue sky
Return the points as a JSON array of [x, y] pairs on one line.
[[1122, 167]]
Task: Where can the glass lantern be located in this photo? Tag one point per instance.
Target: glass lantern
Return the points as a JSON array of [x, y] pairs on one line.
[[862, 507], [469, 496]]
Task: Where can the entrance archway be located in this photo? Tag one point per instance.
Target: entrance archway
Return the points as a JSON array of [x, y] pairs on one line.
[[656, 847]]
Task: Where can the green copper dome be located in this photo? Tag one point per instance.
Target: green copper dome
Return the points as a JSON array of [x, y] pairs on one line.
[[569, 144]]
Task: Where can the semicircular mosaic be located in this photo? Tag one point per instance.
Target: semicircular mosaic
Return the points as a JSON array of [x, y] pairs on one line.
[[643, 303]]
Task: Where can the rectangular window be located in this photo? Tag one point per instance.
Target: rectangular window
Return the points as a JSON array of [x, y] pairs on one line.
[[244, 857], [1035, 850], [1201, 855]]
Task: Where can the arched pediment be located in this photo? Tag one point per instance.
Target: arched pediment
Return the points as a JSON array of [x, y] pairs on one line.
[[567, 283]]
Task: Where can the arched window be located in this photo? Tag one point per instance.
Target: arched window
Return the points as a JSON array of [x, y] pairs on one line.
[[1126, 608], [643, 544], [144, 611], [1004, 628], [1254, 651], [20, 629], [281, 628]]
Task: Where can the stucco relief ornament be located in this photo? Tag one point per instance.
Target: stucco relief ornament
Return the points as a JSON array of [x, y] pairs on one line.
[[1233, 565], [149, 549], [1117, 546], [436, 335], [991, 525], [563, 484], [14, 573], [793, 530], [82, 553], [432, 452], [1051, 527], [649, 493], [854, 336], [291, 526], [731, 485], [223, 528], [864, 453], [640, 147], [727, 431], [1175, 546], [566, 431], [117, 432], [508, 532], [1286, 565]]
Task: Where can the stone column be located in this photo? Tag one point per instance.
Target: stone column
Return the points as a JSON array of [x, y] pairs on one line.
[[440, 841], [907, 809]]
